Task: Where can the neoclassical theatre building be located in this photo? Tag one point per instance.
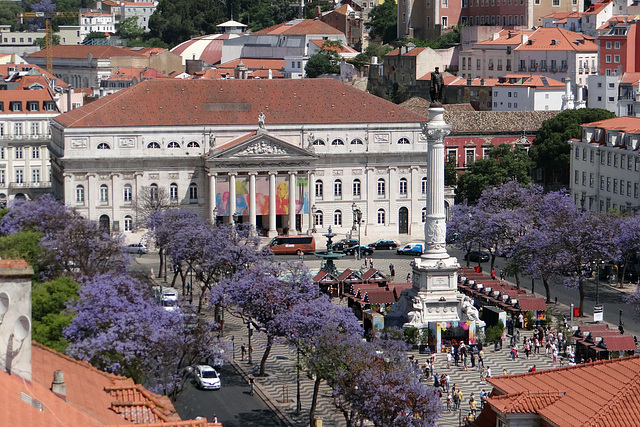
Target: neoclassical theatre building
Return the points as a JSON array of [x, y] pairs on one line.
[[289, 156]]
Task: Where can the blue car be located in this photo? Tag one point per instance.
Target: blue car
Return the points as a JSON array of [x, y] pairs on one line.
[[411, 249]]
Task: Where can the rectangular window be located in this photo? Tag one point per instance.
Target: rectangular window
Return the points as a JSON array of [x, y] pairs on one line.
[[607, 45], [381, 188], [576, 177], [19, 176], [2, 177], [607, 59], [608, 159], [591, 156], [616, 59], [319, 190], [18, 152], [356, 189], [126, 194], [17, 129], [34, 128], [469, 156], [629, 188], [602, 183], [635, 190], [622, 187], [35, 152], [591, 179], [584, 178], [608, 184], [35, 176], [615, 186], [616, 45]]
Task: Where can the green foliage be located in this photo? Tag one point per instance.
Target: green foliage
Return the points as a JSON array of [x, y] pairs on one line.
[[372, 50], [400, 93], [129, 29], [8, 12], [530, 319], [265, 13], [24, 245], [424, 336], [411, 335], [310, 7], [450, 172], [503, 165], [49, 301], [95, 35], [550, 149], [383, 21], [326, 61], [42, 42], [494, 333], [152, 42], [445, 41]]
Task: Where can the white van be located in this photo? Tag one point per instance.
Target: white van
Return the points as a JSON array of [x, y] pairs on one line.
[[411, 249], [166, 297]]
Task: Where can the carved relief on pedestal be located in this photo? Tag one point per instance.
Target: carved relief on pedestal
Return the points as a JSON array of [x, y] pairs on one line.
[[127, 142], [435, 231]]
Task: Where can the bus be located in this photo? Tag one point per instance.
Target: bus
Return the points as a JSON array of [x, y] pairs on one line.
[[287, 245]]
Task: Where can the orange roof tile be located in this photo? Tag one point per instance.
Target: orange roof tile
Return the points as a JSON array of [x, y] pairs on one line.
[[531, 80], [301, 27], [602, 393], [176, 102], [531, 304], [630, 78], [595, 8], [255, 64], [342, 49], [524, 402], [24, 96], [82, 51], [624, 124], [128, 73], [618, 343], [557, 39], [264, 74], [564, 15], [506, 38], [413, 52]]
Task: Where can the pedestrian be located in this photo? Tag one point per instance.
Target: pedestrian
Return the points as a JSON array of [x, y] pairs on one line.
[[447, 381], [215, 418], [521, 321], [504, 371], [488, 372], [474, 406], [408, 277], [473, 359], [501, 274], [301, 256], [481, 359], [459, 397], [449, 360], [436, 380], [483, 398], [493, 274], [449, 402], [456, 402], [392, 271], [483, 375], [243, 351], [370, 262]]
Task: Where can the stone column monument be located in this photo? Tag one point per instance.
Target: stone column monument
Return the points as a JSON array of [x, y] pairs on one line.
[[434, 296]]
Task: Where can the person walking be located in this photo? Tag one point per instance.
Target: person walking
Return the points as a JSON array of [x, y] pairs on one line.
[[501, 274], [392, 271], [448, 401], [493, 274], [243, 351], [483, 398], [449, 360]]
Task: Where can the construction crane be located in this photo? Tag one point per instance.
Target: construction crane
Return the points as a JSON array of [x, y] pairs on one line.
[[48, 29]]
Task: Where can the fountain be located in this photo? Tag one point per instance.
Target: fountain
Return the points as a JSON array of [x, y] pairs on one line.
[[328, 256]]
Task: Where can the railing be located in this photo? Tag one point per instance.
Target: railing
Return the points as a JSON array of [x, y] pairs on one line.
[[533, 68], [543, 68], [554, 69], [580, 70], [563, 69], [41, 184], [521, 68]]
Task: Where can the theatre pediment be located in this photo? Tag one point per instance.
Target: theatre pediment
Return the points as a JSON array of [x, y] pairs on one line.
[[262, 146]]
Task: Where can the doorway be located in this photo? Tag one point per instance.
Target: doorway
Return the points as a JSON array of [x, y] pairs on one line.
[[403, 221]]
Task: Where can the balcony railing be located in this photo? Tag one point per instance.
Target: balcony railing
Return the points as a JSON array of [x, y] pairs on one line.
[[543, 68], [554, 69], [41, 184], [533, 68], [563, 69], [521, 68]]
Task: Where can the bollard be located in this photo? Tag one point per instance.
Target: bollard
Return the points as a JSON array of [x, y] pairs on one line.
[[572, 312]]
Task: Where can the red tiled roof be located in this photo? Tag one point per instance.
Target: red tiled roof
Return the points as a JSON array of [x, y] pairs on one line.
[[24, 96], [558, 39], [176, 102], [506, 37], [531, 304], [602, 393], [342, 49], [255, 64], [82, 51], [619, 343], [532, 80], [380, 297], [128, 73], [597, 6], [301, 27], [413, 52], [625, 124], [630, 78], [524, 402], [264, 74], [4, 70]]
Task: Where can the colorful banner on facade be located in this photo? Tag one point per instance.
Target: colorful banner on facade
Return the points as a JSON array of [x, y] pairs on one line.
[[262, 196]]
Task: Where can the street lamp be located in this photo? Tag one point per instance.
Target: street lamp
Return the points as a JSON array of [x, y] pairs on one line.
[[215, 216], [357, 219], [314, 210], [250, 333]]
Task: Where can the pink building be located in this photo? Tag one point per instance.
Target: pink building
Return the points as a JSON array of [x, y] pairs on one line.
[[617, 47]]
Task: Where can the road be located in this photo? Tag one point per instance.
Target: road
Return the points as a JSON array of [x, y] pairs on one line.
[[232, 404]]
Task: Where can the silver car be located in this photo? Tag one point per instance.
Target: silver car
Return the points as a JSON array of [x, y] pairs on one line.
[[137, 248], [207, 378]]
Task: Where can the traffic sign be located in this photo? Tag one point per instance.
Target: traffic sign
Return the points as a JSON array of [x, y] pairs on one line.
[[598, 313]]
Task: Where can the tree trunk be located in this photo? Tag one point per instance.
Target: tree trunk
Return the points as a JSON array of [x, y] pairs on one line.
[[546, 289], [493, 260], [468, 256], [581, 292], [517, 276], [263, 362], [161, 254], [314, 400]]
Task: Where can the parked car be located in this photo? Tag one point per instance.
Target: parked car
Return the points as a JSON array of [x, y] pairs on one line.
[[288, 245], [207, 378], [137, 248], [476, 256], [411, 249], [364, 250], [384, 244], [343, 244]]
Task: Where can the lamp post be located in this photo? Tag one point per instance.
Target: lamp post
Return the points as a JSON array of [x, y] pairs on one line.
[[215, 216], [250, 332], [314, 210], [357, 219]]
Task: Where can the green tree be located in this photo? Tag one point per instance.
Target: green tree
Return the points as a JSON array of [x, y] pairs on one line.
[[383, 21], [129, 29], [550, 150], [24, 245], [175, 21], [93, 35], [372, 50], [450, 172], [265, 13], [503, 165], [326, 61], [444, 41], [400, 93], [8, 12], [49, 302], [42, 43]]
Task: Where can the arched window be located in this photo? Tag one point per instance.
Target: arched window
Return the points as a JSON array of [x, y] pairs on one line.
[[403, 141], [173, 192], [337, 141], [424, 215], [318, 218], [173, 144], [356, 141], [193, 144], [337, 189], [127, 194], [103, 146], [317, 142], [153, 192], [403, 187], [193, 193], [319, 189], [337, 217], [80, 195], [381, 216], [381, 188], [128, 223], [356, 188], [423, 185], [104, 223], [153, 144], [104, 194]]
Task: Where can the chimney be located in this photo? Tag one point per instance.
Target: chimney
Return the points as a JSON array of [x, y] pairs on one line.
[[58, 386], [524, 38], [469, 81], [482, 82], [497, 35]]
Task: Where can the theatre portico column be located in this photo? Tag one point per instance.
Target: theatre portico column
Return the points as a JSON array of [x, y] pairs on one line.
[[232, 195], [312, 200], [252, 198], [292, 204], [272, 205], [212, 197]]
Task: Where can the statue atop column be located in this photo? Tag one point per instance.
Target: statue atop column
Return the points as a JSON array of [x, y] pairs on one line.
[[435, 86], [261, 119]]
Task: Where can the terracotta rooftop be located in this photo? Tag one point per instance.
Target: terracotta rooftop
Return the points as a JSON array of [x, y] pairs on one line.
[[254, 64], [4, 70], [563, 15], [506, 38], [630, 78], [558, 39], [597, 6], [531, 80], [24, 96], [532, 304], [602, 393], [343, 49], [301, 27], [413, 52], [128, 73], [624, 124], [175, 102], [82, 51]]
